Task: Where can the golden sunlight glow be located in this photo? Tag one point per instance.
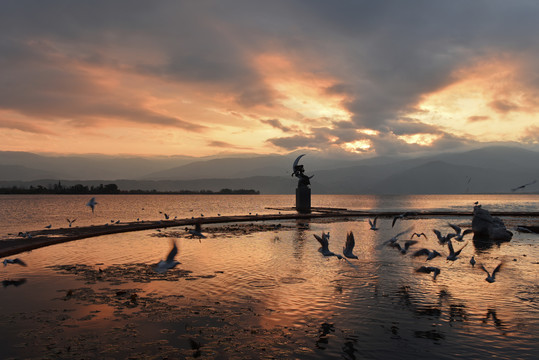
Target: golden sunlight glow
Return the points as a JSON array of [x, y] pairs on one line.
[[419, 139], [369, 132], [302, 92], [485, 101], [357, 146]]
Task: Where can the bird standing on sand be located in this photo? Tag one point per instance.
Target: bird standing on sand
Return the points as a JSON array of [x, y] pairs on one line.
[[472, 261], [48, 226], [14, 261], [92, 203], [169, 262], [324, 248], [348, 248]]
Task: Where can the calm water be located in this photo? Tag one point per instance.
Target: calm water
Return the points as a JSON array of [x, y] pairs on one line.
[[242, 293]]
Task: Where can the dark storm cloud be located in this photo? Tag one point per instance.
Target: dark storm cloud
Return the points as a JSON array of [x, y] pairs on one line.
[[385, 56]]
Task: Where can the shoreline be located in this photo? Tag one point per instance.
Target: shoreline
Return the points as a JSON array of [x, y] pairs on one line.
[[42, 238]]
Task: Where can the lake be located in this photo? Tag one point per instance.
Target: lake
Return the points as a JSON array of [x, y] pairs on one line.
[[262, 290]]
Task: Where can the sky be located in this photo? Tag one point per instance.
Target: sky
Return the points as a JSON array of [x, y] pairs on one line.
[[200, 78]]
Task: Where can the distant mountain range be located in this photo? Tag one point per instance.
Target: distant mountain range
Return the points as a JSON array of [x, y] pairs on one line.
[[488, 170]]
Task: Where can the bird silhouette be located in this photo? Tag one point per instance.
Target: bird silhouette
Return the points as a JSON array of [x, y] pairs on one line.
[[70, 222], [14, 261], [431, 254], [372, 223], [349, 246], [453, 255], [92, 203], [324, 248], [491, 277], [458, 234], [169, 262], [428, 270], [441, 238]]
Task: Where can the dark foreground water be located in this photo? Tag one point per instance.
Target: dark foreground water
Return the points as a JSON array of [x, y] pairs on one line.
[[262, 290]]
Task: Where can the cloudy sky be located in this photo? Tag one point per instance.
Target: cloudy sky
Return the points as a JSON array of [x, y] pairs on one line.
[[207, 77]]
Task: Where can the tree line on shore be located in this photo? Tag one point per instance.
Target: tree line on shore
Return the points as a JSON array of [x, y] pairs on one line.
[[59, 189]]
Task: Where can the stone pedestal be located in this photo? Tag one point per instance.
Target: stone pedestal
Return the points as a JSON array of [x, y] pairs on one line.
[[303, 200]]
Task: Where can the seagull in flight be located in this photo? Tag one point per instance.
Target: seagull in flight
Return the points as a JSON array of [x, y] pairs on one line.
[[418, 235], [349, 246], [404, 249], [442, 239], [324, 248], [491, 278], [453, 255], [458, 235], [428, 270], [14, 261], [403, 215], [431, 254], [197, 233], [372, 223], [71, 221], [170, 262], [523, 186], [92, 203], [395, 238]]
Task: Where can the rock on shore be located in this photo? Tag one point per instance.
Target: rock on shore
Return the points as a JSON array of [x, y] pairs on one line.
[[488, 227]]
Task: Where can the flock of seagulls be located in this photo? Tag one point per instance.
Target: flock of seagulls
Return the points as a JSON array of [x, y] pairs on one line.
[[403, 246]]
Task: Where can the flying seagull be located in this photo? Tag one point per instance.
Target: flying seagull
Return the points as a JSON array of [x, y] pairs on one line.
[[458, 234], [71, 221], [418, 235], [324, 248], [491, 278], [403, 215], [431, 254], [92, 203], [442, 239], [372, 223], [14, 261], [453, 255], [394, 239], [523, 186], [428, 270], [170, 262], [349, 246], [404, 249]]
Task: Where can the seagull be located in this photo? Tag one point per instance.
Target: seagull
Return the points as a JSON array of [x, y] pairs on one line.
[[472, 261], [372, 223], [407, 244], [403, 215], [14, 261], [428, 270], [395, 238], [491, 278], [169, 263], [523, 186], [419, 235], [459, 236], [166, 216], [92, 203], [71, 221], [442, 239], [453, 255], [324, 249], [48, 226], [349, 246], [431, 254]]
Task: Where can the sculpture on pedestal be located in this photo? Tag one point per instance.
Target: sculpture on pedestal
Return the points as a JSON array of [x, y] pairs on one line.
[[303, 191]]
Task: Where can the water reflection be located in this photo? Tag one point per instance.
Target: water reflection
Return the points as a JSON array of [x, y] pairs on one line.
[[241, 292], [15, 283]]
